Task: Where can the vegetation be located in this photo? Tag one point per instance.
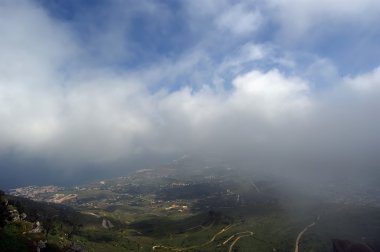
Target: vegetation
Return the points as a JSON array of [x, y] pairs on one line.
[[170, 212]]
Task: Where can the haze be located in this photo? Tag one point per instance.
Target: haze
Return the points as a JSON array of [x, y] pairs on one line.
[[99, 88]]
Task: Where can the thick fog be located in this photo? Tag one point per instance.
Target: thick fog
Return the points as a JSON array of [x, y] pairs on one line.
[[288, 87]]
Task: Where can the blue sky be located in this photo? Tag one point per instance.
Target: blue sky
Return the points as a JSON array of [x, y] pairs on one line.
[[109, 83], [126, 36], [147, 31]]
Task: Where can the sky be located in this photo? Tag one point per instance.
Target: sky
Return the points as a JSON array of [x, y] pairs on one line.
[[96, 88]]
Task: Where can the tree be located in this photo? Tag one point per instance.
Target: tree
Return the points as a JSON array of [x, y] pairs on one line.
[[4, 212]]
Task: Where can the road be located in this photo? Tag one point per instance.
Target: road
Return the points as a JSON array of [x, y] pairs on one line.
[[247, 233], [155, 247], [296, 249], [202, 227], [255, 186]]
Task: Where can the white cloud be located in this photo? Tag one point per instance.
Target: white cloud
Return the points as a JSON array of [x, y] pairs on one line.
[[33, 48], [84, 114], [239, 19], [366, 83], [247, 53], [271, 92], [300, 19]]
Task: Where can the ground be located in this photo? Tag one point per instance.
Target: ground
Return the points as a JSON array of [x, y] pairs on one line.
[[209, 207]]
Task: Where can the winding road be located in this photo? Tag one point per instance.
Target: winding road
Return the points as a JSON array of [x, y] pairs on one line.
[[247, 233], [296, 249], [155, 247]]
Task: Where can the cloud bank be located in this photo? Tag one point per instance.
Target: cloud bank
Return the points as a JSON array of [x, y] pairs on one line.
[[244, 81]]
